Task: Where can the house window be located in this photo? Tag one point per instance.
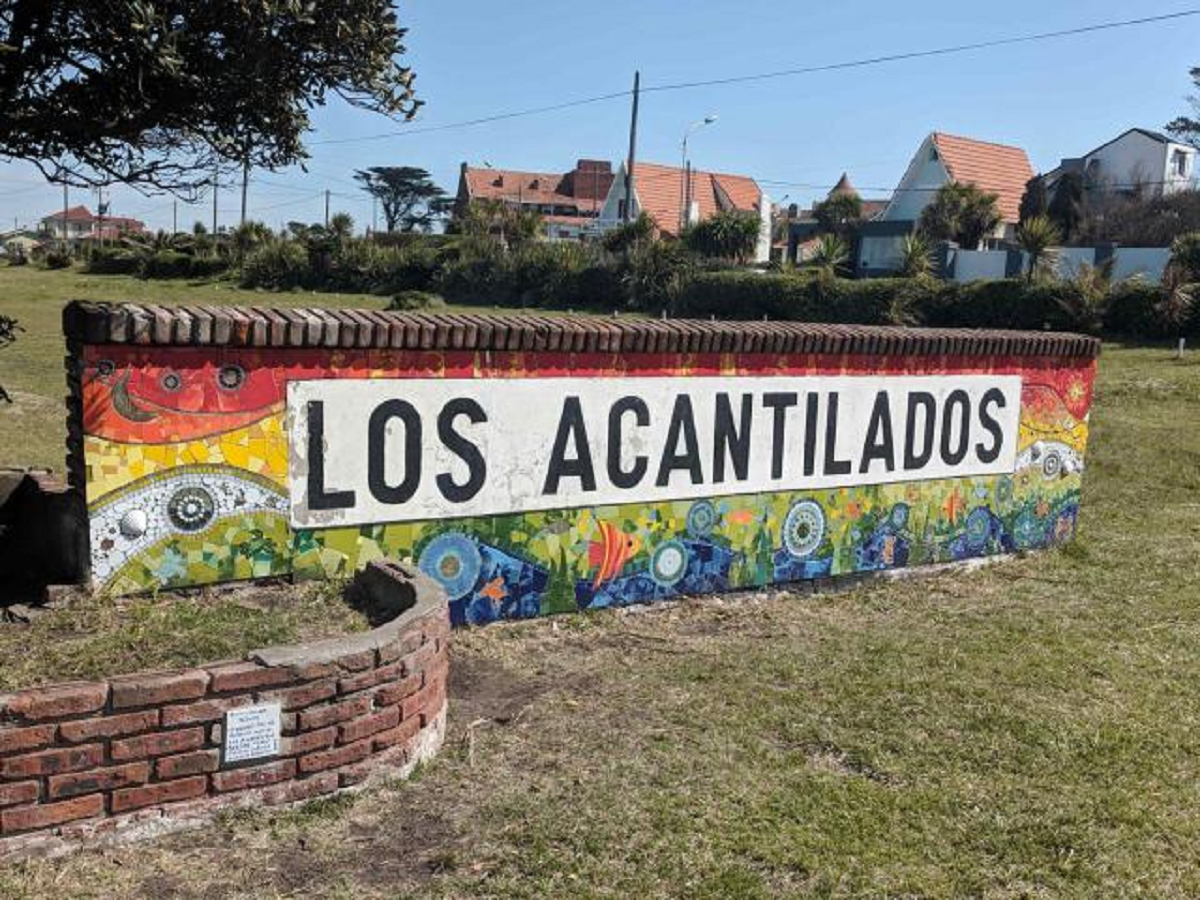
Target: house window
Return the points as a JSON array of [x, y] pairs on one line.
[[621, 209], [1179, 163]]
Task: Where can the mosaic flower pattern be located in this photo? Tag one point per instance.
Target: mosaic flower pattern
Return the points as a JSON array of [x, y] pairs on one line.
[[187, 468]]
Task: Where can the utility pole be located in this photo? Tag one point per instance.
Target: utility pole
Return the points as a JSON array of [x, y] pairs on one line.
[[326, 207], [216, 185], [374, 214], [66, 203], [637, 80], [174, 217], [245, 183]]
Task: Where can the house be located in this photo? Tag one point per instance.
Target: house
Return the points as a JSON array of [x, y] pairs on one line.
[[1137, 162], [803, 229], [568, 202], [998, 169], [659, 191], [81, 225]]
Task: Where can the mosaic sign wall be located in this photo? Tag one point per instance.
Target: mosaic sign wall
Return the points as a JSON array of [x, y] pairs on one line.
[[530, 482]]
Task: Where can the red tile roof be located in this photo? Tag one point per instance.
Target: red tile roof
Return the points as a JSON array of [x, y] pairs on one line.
[[74, 214], [995, 168], [584, 187], [659, 191]]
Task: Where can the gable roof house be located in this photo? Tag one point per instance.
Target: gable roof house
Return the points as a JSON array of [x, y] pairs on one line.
[[659, 191], [998, 169], [81, 224], [1137, 161], [568, 202]]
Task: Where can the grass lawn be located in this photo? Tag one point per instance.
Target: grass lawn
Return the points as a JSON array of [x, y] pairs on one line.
[[1026, 730]]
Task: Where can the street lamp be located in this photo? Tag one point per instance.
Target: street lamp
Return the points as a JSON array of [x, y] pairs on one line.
[[685, 193]]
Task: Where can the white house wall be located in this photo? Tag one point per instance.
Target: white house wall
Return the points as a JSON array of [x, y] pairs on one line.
[[918, 187]]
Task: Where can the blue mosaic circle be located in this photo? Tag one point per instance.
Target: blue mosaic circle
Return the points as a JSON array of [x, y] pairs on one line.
[[453, 561], [1004, 490], [669, 563], [701, 519], [979, 528], [1028, 530], [804, 529]]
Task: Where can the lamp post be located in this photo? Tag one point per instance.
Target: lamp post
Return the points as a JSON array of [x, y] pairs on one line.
[[685, 193]]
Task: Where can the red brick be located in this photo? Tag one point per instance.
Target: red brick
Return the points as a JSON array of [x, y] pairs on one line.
[[339, 756], [158, 744], [195, 763], [418, 659], [58, 700], [357, 662], [391, 694], [52, 762], [30, 738], [96, 780], [368, 679], [201, 711], [151, 689], [426, 702], [310, 741], [18, 792], [163, 792], [245, 676], [244, 779], [305, 695], [402, 733], [320, 716], [108, 726], [45, 815], [357, 729], [304, 789]]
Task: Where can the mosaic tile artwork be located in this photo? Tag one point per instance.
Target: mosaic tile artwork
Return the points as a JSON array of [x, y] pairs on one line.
[[187, 460]]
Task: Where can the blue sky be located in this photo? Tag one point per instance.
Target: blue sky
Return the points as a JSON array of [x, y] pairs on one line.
[[1054, 98]]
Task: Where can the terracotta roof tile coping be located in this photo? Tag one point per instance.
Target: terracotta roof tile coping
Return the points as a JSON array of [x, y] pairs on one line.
[[129, 323]]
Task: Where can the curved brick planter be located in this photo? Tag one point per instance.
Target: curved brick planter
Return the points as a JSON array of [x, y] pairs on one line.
[[143, 754]]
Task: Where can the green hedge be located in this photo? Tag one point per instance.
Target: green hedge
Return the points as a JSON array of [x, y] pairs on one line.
[[1131, 308]]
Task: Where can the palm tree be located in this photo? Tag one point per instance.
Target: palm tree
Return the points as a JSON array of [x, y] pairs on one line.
[[916, 257], [829, 256], [1086, 296], [1037, 236], [341, 227]]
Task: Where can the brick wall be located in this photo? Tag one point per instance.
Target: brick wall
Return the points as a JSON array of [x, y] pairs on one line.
[[143, 753]]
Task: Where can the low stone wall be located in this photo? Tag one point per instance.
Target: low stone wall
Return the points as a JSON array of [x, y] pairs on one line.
[[146, 753]]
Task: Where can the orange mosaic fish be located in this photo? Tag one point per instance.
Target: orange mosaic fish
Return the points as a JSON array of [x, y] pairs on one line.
[[494, 590], [611, 552]]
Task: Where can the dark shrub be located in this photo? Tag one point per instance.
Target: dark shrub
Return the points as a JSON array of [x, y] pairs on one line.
[[167, 264], [208, 266], [114, 261], [409, 300], [281, 265], [58, 259]]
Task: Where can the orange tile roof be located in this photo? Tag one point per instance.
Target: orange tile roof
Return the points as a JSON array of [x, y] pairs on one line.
[[995, 168], [659, 191]]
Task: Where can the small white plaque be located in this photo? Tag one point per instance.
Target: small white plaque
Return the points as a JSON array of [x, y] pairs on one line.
[[252, 732]]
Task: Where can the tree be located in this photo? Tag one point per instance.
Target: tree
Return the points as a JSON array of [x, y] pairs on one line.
[[341, 227], [631, 235], [1187, 128], [1066, 208], [961, 213], [839, 214], [1034, 201], [916, 257], [829, 257], [407, 196], [513, 226], [731, 235], [157, 92], [1037, 236]]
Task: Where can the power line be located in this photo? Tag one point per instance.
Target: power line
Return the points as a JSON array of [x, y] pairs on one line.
[[783, 73]]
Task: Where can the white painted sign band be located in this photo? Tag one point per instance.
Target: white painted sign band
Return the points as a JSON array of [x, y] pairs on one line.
[[392, 450]]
